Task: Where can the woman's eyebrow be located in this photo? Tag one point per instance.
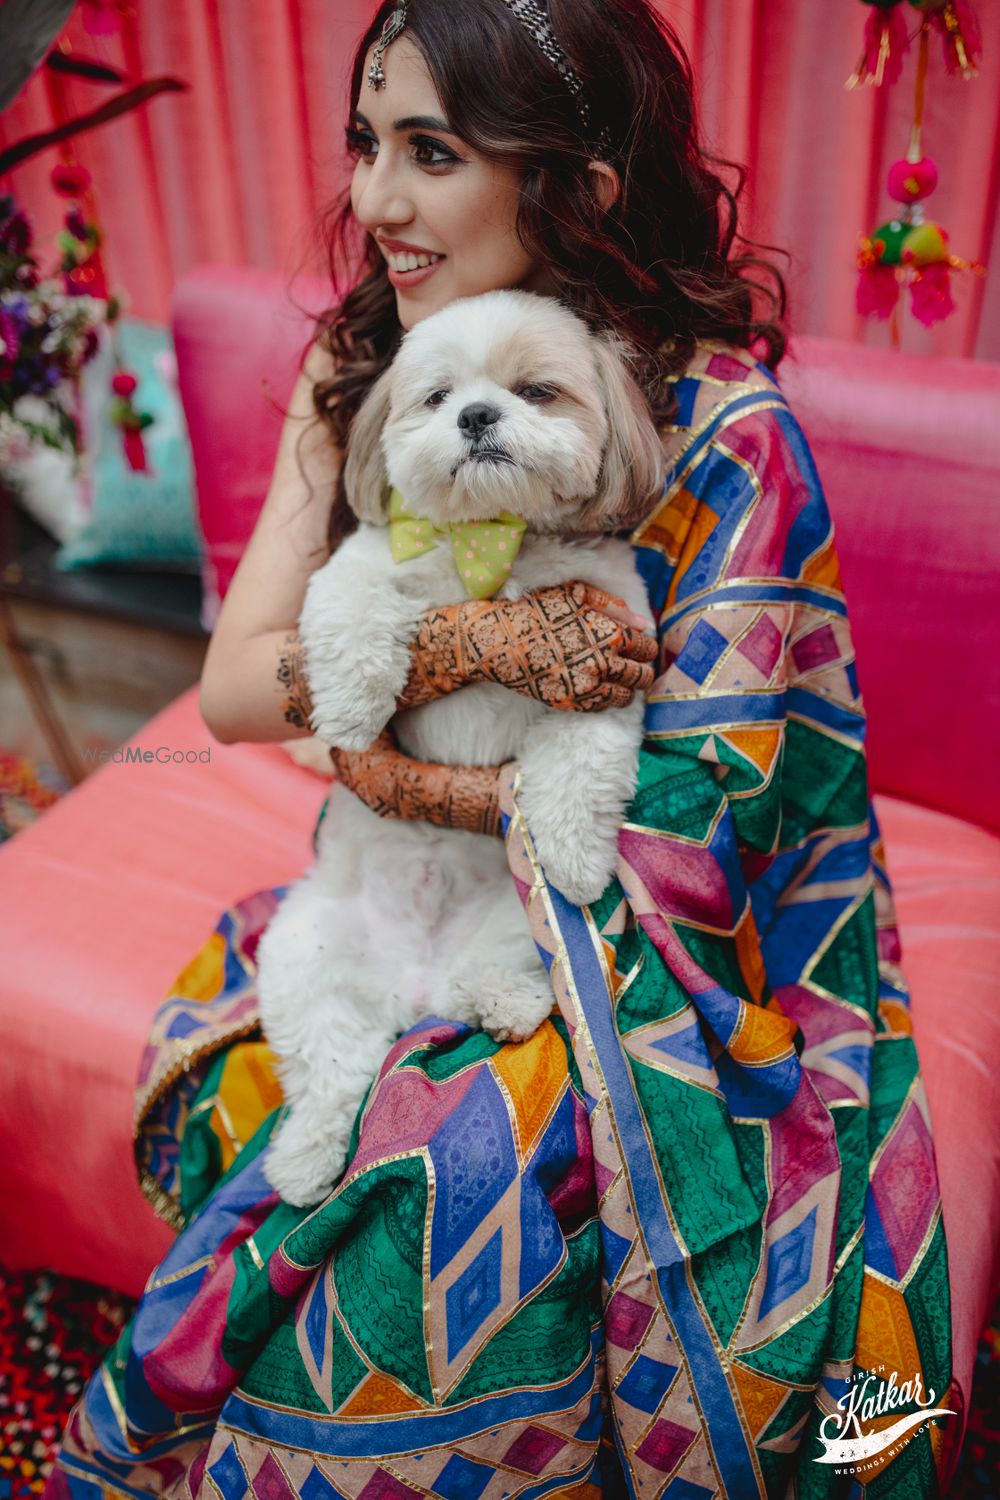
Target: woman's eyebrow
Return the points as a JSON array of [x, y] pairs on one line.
[[413, 122]]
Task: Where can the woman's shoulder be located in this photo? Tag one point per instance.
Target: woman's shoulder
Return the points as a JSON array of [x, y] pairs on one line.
[[720, 383]]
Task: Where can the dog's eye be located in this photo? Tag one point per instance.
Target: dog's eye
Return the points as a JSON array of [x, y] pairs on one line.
[[537, 393], [436, 397]]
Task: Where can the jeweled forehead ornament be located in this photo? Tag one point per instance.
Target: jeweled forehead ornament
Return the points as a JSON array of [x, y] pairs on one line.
[[533, 17], [394, 24]]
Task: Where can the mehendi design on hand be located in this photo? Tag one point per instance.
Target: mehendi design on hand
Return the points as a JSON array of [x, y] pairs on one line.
[[396, 786], [298, 706], [554, 645]]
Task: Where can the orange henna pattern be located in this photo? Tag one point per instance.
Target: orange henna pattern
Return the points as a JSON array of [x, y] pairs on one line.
[[554, 645], [396, 786], [298, 706]]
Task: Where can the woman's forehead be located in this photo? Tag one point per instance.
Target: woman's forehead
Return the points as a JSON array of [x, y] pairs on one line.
[[408, 89]]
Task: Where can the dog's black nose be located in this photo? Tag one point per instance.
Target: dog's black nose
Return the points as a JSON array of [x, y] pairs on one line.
[[473, 420]]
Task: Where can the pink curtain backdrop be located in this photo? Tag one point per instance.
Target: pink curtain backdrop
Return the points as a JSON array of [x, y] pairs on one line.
[[237, 169]]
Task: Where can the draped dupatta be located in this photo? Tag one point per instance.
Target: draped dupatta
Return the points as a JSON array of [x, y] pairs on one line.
[[647, 1251]]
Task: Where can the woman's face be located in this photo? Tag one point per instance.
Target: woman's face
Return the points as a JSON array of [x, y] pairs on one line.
[[419, 190]]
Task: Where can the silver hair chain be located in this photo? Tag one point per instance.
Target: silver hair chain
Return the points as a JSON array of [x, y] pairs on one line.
[[535, 21]]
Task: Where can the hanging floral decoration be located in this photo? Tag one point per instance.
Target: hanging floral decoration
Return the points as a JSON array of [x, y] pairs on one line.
[[83, 274], [910, 250], [887, 40], [132, 422], [49, 326]]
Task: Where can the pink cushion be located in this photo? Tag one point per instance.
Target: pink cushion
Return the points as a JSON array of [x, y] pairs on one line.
[[169, 846], [232, 327], [946, 878], [908, 449]]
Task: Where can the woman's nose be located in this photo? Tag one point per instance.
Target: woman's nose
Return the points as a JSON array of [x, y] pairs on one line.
[[382, 199]]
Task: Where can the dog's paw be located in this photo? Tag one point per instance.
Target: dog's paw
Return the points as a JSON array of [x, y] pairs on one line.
[[352, 716], [302, 1170], [580, 871], [509, 1006]]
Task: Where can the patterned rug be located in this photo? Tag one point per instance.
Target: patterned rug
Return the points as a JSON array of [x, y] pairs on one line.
[[53, 1334], [27, 788], [54, 1331]]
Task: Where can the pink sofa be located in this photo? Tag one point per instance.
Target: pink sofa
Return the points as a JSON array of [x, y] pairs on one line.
[[113, 891]]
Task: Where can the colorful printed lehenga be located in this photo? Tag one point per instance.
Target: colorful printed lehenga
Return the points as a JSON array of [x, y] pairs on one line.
[[644, 1252]]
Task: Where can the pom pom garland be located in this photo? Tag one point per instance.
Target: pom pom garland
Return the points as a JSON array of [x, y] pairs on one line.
[[909, 250]]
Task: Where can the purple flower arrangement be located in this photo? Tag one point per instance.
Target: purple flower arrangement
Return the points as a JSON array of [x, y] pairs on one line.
[[48, 332]]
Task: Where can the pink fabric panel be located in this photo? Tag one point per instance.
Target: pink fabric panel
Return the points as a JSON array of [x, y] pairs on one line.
[[238, 168], [110, 895], [946, 876], [909, 454]]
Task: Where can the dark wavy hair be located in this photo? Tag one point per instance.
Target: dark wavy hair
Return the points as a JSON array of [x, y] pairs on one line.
[[656, 266]]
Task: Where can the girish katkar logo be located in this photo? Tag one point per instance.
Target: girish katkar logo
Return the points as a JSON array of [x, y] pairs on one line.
[[847, 1443]]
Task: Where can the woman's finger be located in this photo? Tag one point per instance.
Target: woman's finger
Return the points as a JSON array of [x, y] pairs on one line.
[[640, 647], [606, 695], [621, 697], [637, 676], [608, 604], [626, 640]]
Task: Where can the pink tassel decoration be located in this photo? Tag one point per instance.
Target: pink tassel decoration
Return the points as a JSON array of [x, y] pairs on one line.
[[135, 450], [886, 44], [131, 422], [930, 294], [963, 43], [878, 291]]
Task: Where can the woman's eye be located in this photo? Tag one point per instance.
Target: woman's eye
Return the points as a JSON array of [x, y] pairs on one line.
[[361, 143], [436, 397], [357, 143], [537, 393]]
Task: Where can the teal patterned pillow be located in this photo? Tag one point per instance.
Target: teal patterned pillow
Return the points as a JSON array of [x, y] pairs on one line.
[[141, 519]]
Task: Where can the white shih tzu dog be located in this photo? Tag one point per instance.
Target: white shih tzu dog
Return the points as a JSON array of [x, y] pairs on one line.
[[504, 402]]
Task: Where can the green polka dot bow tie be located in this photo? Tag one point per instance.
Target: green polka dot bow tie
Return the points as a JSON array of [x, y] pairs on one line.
[[484, 550]]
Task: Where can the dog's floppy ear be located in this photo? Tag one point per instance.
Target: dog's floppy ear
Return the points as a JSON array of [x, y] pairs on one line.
[[365, 479], [632, 472]]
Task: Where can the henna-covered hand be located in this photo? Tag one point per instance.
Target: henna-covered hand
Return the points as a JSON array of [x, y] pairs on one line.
[[571, 646], [396, 786]]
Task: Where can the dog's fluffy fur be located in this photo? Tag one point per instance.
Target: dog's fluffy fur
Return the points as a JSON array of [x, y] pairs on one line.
[[395, 918]]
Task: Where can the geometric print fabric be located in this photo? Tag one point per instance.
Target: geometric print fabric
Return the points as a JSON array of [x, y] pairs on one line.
[[648, 1250]]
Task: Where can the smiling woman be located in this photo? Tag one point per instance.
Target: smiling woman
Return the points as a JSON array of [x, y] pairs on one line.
[[649, 1249]]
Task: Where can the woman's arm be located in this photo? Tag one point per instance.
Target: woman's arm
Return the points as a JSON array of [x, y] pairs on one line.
[[396, 786], [559, 646], [253, 683]]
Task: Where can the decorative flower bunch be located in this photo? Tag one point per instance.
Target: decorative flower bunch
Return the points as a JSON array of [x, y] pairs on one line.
[[47, 335], [49, 327]]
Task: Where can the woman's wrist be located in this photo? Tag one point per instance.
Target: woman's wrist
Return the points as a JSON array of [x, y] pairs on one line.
[[396, 786]]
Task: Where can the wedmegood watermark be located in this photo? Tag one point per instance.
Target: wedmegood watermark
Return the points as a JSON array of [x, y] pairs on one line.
[[852, 1447], [135, 755]]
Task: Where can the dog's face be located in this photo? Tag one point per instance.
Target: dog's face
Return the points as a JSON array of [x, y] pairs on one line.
[[506, 401]]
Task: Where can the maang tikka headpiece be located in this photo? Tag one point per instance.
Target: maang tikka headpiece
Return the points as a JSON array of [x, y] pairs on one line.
[[535, 21]]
